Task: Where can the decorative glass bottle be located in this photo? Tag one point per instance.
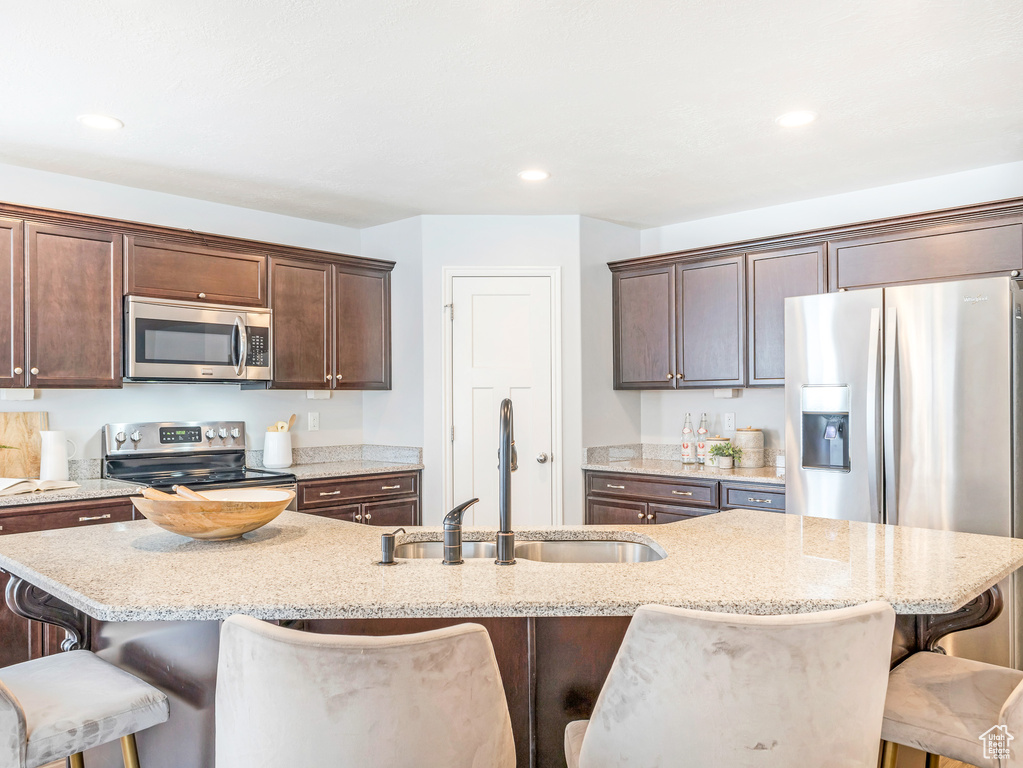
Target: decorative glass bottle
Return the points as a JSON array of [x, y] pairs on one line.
[[701, 440], [688, 442]]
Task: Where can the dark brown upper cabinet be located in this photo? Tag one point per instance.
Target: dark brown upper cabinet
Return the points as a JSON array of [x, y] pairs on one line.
[[362, 327], [165, 269], [710, 312], [774, 276], [73, 307], [952, 251], [301, 298], [12, 303], [644, 328]]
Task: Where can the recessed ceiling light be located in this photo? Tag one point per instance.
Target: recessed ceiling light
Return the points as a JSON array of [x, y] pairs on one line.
[[103, 122], [534, 175], [797, 118]]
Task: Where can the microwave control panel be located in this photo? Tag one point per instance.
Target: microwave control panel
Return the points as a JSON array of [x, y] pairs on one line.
[[259, 343]]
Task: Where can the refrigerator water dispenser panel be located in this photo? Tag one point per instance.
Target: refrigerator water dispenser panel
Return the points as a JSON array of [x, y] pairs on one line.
[[825, 417]]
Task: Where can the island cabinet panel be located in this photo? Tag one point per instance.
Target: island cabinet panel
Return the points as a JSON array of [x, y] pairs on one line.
[[773, 277], [644, 328], [386, 499], [301, 299], [362, 311], [73, 307], [711, 320], [166, 269], [12, 303], [959, 250], [614, 512]]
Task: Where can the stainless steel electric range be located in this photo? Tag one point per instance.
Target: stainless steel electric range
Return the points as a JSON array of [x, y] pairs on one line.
[[198, 454]]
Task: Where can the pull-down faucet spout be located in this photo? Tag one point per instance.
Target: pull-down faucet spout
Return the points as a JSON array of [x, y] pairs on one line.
[[506, 464]]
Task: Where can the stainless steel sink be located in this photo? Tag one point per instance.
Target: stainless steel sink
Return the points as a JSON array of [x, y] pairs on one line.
[[586, 552], [435, 549]]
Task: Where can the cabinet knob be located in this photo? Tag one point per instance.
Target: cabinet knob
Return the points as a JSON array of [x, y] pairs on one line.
[[339, 377], [17, 370], [358, 517], [329, 377], [35, 371], [649, 517], [641, 515], [202, 295], [369, 516], [670, 376], [678, 375], [1015, 273]]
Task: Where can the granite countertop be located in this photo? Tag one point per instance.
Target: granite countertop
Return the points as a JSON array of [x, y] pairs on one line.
[[767, 475], [346, 468], [303, 566], [87, 489]]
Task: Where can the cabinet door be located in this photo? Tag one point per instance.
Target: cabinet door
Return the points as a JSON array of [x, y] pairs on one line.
[[73, 313], [391, 513], [990, 246], [362, 330], [644, 328], [300, 294], [773, 277], [711, 316], [659, 514], [12, 303], [615, 512], [193, 272]]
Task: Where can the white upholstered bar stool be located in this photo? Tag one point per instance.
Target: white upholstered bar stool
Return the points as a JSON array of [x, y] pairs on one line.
[[59, 706], [942, 705], [287, 698], [693, 689]]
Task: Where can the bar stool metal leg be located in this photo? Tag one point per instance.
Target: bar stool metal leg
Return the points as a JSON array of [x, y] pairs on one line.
[[76, 761], [130, 752], [889, 754]]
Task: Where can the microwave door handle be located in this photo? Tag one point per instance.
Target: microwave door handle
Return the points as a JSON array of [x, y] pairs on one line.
[[243, 345]]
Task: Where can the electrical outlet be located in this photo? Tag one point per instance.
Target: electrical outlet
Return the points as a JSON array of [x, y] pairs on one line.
[[313, 417], [729, 422]]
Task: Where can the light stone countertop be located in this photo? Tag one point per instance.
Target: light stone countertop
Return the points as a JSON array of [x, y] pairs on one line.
[[348, 468], [303, 566], [87, 489], [766, 475]]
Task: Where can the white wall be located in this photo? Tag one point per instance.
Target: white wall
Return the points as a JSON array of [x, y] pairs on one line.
[[663, 412], [609, 417], [83, 413]]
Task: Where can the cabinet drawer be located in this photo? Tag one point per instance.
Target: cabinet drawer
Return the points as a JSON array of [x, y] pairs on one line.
[[329, 493], [752, 497], [70, 515], [658, 514], [690, 492]]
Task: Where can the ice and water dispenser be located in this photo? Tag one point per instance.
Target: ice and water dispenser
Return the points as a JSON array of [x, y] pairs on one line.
[[825, 414]]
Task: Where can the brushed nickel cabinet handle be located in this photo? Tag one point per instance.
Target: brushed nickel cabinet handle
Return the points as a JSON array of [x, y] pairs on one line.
[[17, 370], [683, 493], [329, 377], [759, 501], [369, 516], [670, 376], [339, 377], [390, 487], [678, 375], [202, 295], [332, 493], [650, 517], [358, 517], [618, 487], [35, 371], [641, 515], [96, 517]]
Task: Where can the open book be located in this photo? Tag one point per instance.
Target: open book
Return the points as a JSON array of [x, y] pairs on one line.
[[10, 486]]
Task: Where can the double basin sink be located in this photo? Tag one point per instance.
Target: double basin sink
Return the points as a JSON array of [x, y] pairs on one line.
[[582, 551]]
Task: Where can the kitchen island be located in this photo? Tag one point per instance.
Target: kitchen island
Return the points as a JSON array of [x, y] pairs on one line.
[[152, 601]]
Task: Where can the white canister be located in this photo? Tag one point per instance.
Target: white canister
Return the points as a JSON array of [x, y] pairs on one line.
[[53, 455], [751, 441], [712, 460], [277, 450]]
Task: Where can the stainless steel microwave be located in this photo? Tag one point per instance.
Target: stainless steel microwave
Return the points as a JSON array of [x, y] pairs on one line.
[[168, 340]]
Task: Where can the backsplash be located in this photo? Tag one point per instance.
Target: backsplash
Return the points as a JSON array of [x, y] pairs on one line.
[[663, 452]]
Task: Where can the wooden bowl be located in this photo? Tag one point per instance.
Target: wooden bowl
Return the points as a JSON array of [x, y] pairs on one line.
[[228, 514]]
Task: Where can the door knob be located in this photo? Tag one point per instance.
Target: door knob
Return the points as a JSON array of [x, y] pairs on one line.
[[542, 458]]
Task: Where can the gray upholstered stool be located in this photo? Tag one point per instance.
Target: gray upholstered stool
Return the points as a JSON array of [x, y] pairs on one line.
[[61, 705], [702, 689], [287, 698], [942, 705]]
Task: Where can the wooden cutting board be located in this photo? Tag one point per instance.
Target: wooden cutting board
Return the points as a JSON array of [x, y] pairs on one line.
[[21, 431]]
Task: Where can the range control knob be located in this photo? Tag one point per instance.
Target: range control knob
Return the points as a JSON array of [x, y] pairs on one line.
[[120, 437], [222, 433], [236, 433], [135, 437], [210, 433]]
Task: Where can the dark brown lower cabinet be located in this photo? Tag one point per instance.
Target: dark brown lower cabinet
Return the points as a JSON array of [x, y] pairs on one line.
[[20, 639], [391, 499]]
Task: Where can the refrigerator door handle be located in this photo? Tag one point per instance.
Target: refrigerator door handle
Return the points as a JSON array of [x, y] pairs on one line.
[[874, 369], [891, 379]]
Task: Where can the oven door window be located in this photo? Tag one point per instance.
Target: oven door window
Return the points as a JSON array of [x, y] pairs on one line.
[[171, 341]]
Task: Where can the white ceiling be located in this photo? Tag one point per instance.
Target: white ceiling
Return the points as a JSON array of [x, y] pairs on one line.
[[645, 112]]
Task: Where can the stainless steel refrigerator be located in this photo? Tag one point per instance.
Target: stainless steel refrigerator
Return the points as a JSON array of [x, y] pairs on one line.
[[902, 405]]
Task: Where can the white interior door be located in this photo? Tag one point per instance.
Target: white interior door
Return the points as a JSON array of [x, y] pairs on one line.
[[502, 347]]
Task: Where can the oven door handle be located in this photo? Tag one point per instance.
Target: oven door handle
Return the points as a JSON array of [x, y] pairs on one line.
[[242, 338]]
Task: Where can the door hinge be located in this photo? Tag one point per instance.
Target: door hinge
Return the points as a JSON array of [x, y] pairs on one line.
[[451, 310], [452, 434]]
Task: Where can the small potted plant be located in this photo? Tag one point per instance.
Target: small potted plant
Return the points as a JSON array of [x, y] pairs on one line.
[[727, 455]]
